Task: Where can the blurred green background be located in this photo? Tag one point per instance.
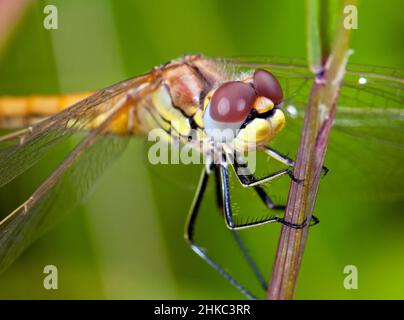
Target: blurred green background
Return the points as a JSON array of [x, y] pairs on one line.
[[126, 241]]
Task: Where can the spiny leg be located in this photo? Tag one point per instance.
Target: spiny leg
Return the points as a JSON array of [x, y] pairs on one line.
[[265, 198], [285, 159], [279, 156], [231, 224], [219, 196], [251, 181], [189, 234], [239, 241], [247, 179]]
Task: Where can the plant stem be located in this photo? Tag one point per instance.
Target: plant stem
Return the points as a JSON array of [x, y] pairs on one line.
[[317, 125], [314, 43]]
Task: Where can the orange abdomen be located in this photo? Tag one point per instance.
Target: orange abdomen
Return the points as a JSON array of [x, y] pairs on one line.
[[16, 112]]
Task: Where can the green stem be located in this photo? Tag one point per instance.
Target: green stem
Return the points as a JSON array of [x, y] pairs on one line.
[[317, 125], [314, 42]]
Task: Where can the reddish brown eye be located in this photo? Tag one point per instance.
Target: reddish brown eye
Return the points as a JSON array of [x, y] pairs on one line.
[[232, 102], [267, 86]]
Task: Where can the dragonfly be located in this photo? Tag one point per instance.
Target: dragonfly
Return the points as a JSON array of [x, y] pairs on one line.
[[244, 102]]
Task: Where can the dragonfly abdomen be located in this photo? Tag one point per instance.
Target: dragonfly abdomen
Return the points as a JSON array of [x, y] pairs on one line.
[[18, 112]]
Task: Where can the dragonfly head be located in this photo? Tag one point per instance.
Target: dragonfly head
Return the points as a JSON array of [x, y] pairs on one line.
[[246, 112]]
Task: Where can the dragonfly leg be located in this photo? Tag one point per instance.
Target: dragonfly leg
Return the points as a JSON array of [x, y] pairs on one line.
[[285, 159], [270, 204], [219, 196], [279, 156], [189, 235], [229, 219], [248, 180], [239, 241]]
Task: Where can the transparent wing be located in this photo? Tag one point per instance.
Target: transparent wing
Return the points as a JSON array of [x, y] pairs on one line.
[[56, 197], [21, 150], [73, 178], [371, 104]]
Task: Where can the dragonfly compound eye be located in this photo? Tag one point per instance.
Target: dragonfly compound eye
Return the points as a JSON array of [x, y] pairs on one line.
[[229, 107], [267, 86], [232, 102]]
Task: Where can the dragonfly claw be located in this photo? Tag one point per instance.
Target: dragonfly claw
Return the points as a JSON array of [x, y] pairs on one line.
[[313, 221], [291, 175]]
